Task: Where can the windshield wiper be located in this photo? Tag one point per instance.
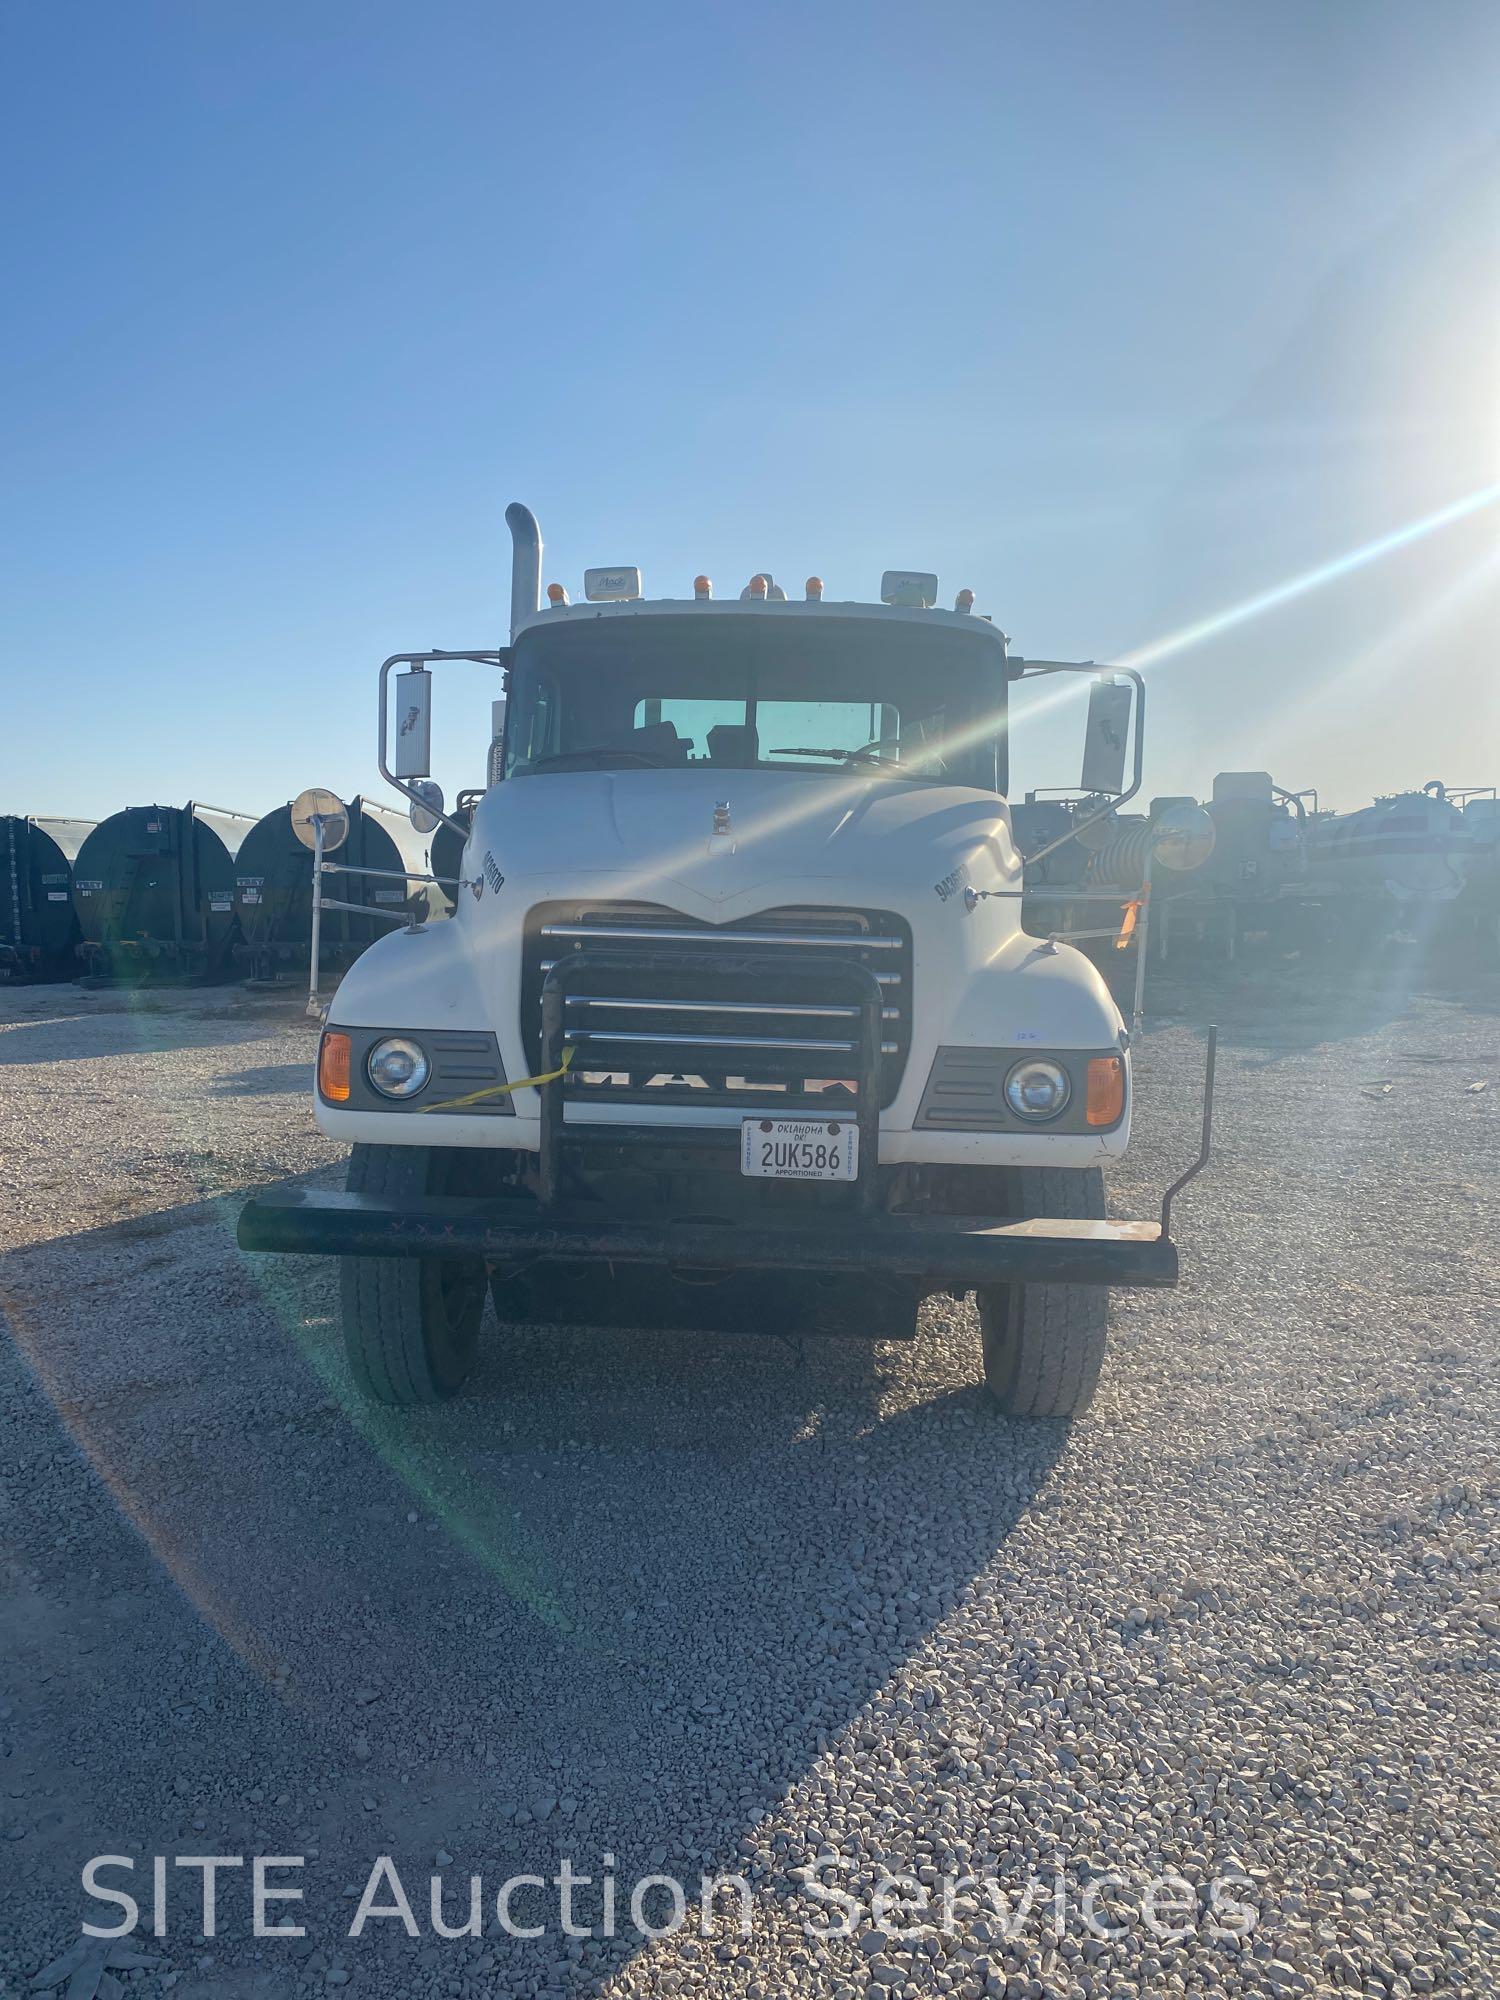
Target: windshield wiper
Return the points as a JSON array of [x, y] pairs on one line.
[[870, 752]]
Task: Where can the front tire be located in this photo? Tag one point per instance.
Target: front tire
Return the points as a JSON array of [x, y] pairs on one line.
[[411, 1324], [1044, 1344]]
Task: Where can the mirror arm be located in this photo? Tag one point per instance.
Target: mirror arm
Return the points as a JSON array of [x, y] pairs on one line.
[[1089, 667], [419, 660]]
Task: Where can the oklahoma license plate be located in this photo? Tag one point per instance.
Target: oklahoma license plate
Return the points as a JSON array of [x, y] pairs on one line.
[[799, 1149]]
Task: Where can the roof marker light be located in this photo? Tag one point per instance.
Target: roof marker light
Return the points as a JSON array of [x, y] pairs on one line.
[[964, 601], [756, 587], [814, 588], [703, 586], [556, 594]]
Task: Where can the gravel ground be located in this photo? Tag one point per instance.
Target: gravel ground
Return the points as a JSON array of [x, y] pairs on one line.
[[704, 1607]]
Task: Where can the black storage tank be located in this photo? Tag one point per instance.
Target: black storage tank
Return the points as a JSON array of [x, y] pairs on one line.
[[154, 889], [38, 923], [273, 887]]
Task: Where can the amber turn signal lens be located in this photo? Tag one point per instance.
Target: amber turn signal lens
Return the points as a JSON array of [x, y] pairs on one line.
[[1106, 1090], [333, 1069]]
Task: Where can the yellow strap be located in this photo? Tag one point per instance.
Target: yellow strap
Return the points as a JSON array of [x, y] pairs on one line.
[[502, 1089], [1127, 928]]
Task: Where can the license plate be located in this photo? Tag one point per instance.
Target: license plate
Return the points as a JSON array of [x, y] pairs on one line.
[[799, 1149]]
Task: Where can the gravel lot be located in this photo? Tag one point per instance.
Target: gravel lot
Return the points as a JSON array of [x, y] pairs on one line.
[[707, 1607]]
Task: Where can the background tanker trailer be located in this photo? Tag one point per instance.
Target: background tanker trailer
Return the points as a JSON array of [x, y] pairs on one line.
[[273, 887], [38, 923], [154, 889], [1085, 875], [1482, 816], [448, 847], [1260, 837], [1058, 840], [1256, 863], [1390, 866], [448, 843], [1037, 824], [1476, 913]]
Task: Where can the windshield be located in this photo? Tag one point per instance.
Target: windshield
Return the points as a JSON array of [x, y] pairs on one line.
[[831, 694]]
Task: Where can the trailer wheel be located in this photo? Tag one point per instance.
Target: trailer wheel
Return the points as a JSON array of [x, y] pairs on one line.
[[411, 1324], [1044, 1344]]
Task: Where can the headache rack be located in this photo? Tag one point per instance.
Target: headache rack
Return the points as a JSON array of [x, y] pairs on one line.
[[759, 1014]]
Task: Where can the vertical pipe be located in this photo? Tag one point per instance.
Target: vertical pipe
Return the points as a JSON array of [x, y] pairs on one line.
[[1142, 939], [525, 564], [313, 1003]]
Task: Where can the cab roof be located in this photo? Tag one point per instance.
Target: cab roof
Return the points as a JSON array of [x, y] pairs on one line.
[[801, 610]]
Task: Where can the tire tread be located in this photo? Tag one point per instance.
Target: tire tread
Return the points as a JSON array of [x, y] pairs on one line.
[[383, 1297], [1044, 1344]]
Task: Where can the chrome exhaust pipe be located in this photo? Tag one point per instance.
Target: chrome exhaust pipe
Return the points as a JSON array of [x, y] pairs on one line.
[[525, 564]]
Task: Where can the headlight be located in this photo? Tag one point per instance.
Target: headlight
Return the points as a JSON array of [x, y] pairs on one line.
[[1037, 1088], [398, 1066]]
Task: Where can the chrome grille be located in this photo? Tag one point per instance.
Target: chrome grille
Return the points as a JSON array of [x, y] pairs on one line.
[[691, 1036]]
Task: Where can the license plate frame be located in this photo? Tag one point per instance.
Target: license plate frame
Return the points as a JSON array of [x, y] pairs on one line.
[[838, 1136]]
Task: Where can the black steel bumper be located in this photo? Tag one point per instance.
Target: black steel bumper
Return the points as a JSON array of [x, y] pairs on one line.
[[941, 1251]]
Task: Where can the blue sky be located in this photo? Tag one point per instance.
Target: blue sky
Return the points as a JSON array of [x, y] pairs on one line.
[[1121, 314]]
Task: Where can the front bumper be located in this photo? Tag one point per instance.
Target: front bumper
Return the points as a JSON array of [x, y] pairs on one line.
[[940, 1252], [863, 1242]]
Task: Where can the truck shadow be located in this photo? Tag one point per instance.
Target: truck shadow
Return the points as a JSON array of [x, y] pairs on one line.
[[617, 1598]]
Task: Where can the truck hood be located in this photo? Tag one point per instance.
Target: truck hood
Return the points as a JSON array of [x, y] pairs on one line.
[[719, 834]]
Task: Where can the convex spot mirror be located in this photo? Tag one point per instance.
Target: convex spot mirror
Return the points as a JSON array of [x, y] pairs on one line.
[[427, 808], [319, 808]]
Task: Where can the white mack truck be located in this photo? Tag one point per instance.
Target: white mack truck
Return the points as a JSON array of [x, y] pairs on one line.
[[734, 1026]]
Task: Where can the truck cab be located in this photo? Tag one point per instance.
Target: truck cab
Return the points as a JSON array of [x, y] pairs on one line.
[[735, 1025]]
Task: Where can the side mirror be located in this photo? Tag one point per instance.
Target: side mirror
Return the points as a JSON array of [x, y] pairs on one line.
[[495, 767], [413, 754], [1107, 736], [427, 816]]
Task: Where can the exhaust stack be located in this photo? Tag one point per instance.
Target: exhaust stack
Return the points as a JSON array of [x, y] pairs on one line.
[[525, 564]]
